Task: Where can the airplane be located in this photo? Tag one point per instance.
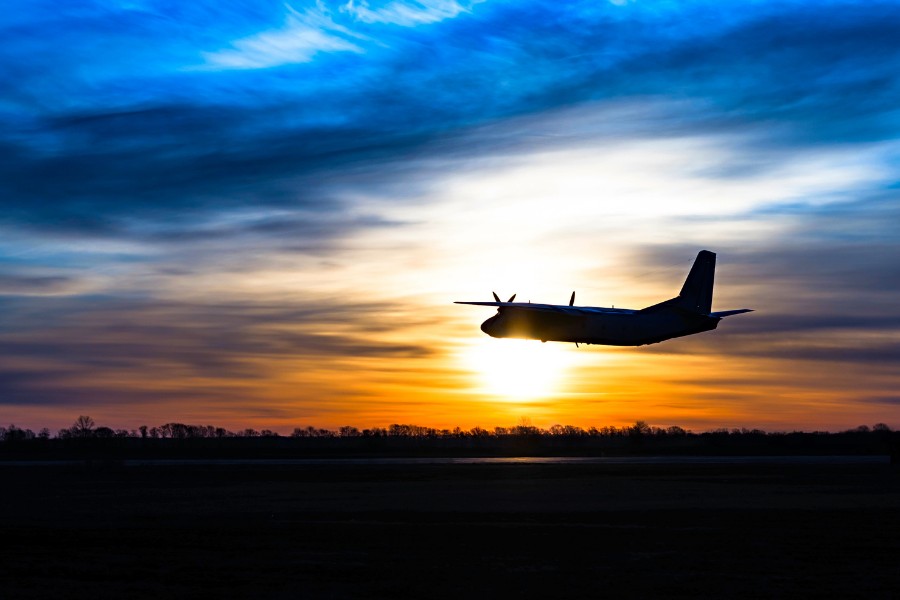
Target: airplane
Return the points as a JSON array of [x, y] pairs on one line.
[[686, 314]]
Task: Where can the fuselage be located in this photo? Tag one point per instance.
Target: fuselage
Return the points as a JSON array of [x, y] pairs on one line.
[[607, 326]]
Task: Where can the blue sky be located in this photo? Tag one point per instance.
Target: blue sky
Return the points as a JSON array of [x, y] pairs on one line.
[[208, 207]]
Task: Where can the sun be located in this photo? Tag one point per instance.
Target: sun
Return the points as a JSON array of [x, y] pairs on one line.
[[517, 369]]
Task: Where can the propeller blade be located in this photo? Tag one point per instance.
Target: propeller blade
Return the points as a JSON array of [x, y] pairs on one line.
[[572, 299], [511, 298], [496, 297]]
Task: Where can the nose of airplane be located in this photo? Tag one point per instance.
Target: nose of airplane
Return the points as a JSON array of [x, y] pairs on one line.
[[489, 326]]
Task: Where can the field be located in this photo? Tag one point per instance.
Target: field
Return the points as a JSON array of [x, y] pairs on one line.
[[360, 530]]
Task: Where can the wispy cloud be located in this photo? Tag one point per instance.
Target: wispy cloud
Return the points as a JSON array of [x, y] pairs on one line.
[[34, 285], [304, 35], [92, 342], [406, 14], [312, 31]]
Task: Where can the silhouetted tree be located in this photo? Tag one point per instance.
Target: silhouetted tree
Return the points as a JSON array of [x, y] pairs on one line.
[[311, 431], [177, 430], [524, 428], [104, 432], [83, 427], [639, 429], [398, 430], [16, 434]]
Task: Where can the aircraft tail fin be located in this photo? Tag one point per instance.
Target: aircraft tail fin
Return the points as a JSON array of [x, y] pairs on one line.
[[696, 293]]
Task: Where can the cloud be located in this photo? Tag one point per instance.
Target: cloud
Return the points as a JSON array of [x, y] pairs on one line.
[[314, 31], [406, 14], [214, 142], [26, 285], [137, 346], [184, 179], [888, 400], [304, 35]]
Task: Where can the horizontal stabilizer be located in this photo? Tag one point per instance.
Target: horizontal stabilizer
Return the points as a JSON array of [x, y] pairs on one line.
[[728, 313]]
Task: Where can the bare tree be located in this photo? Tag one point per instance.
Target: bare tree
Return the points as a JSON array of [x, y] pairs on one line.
[[83, 427]]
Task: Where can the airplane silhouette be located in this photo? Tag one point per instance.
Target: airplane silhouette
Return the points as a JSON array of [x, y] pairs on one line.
[[686, 314]]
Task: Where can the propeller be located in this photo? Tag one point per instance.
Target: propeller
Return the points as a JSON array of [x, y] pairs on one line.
[[572, 299], [497, 298]]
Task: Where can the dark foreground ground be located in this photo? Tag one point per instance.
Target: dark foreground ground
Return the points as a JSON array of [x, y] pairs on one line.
[[450, 531]]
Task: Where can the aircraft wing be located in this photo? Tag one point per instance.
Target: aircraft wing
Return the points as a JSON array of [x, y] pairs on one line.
[[555, 308]]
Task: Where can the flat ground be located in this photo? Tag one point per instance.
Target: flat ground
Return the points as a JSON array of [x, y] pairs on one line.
[[388, 531]]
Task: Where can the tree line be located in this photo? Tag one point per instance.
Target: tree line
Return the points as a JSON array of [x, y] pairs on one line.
[[84, 427]]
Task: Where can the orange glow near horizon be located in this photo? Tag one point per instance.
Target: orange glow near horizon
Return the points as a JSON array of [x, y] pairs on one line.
[[469, 385]]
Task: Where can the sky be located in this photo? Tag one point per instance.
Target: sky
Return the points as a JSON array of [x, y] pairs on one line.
[[259, 214]]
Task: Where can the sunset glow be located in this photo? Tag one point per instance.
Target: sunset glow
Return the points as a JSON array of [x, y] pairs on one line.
[[518, 370]]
